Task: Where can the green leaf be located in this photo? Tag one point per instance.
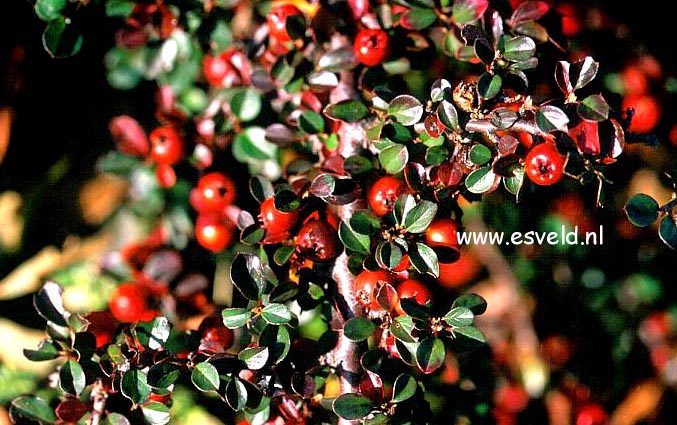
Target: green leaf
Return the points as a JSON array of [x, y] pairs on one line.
[[642, 210], [286, 200], [47, 350], [474, 302], [234, 318], [550, 118], [504, 118], [251, 146], [667, 231], [352, 406], [405, 109], [404, 388], [276, 314], [135, 386], [163, 375], [424, 259], [33, 408], [402, 328], [61, 39], [278, 341], [480, 154], [593, 108], [513, 184], [388, 255], [254, 357], [459, 316], [436, 155], [447, 113], [72, 378], [48, 303], [353, 240], [430, 354], [261, 188], [347, 110], [470, 332], [311, 122], [418, 18], [245, 104], [440, 89], [115, 419], [489, 85], [364, 222], [49, 9], [358, 329], [357, 165], [419, 218], [464, 11], [205, 377], [236, 394], [519, 48], [221, 37], [155, 413], [119, 8], [394, 158], [480, 180], [283, 254]]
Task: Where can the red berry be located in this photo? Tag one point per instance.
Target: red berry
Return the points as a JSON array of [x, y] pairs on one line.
[[276, 223], [647, 112], [277, 21], [213, 232], [403, 265], [384, 193], [129, 303], [372, 46], [544, 164], [317, 241], [411, 288], [165, 175], [460, 272], [591, 414], [214, 192], [215, 69], [442, 233], [166, 146], [102, 325], [215, 336], [367, 284]]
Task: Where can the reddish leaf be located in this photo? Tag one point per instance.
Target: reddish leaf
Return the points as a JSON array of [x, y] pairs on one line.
[[128, 135], [71, 410], [529, 11], [586, 136]]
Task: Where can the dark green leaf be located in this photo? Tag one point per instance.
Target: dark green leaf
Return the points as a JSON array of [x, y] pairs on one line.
[[49, 305], [253, 234], [155, 413], [388, 255], [419, 218], [311, 122], [254, 357], [480, 180], [358, 329], [440, 90], [447, 113], [549, 118], [47, 350], [352, 406], [404, 388], [135, 386], [489, 85], [668, 232], [353, 240], [278, 341], [119, 8], [405, 109], [642, 210], [483, 49], [430, 354], [394, 158], [286, 200], [593, 108], [424, 259], [365, 222], [236, 394], [582, 72], [283, 254], [72, 378], [436, 155], [276, 314], [480, 154], [245, 104], [260, 188], [61, 39], [470, 332], [248, 275], [234, 318], [419, 19], [284, 292], [347, 110], [49, 9], [33, 408], [474, 302], [163, 375], [519, 48], [357, 165], [459, 316], [205, 377]]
